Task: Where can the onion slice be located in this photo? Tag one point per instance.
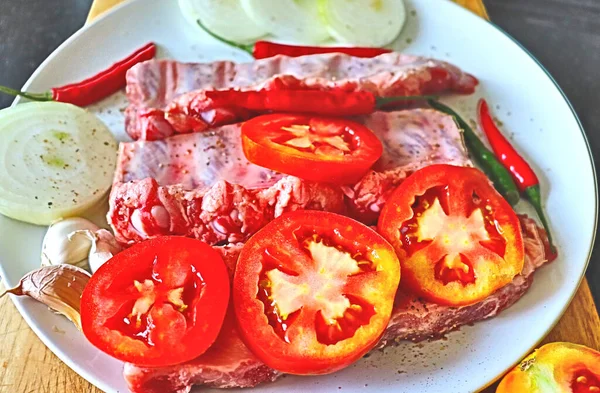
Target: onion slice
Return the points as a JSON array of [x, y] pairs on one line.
[[226, 18], [56, 160], [290, 19], [364, 22]]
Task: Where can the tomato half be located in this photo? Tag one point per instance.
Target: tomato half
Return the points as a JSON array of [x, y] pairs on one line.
[[158, 303], [313, 292], [555, 368], [312, 148], [457, 239]]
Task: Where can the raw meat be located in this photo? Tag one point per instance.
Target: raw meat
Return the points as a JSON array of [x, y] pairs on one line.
[[411, 140], [193, 161], [232, 365], [154, 85], [201, 184], [221, 212]]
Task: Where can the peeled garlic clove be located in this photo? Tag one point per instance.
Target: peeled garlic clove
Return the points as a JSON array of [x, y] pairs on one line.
[[59, 287], [60, 246]]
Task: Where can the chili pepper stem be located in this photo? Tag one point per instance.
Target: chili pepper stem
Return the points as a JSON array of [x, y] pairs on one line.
[[248, 48], [30, 96], [534, 197], [381, 102]]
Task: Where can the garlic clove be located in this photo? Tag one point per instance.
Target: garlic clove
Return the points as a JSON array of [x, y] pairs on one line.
[[60, 246], [104, 247], [59, 287]]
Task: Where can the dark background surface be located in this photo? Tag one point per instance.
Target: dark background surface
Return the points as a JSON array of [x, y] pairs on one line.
[[563, 34]]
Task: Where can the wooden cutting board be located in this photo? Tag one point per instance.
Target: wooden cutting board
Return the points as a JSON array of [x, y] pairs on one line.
[[27, 366]]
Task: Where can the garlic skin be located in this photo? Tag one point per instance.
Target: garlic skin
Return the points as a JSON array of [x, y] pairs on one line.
[[63, 244], [58, 287], [104, 247]]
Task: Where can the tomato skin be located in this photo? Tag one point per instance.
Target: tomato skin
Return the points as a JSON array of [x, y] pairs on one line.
[[425, 262], [179, 288], [304, 349], [557, 368], [258, 141]]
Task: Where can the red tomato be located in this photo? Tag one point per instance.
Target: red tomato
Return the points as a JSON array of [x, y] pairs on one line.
[[312, 148], [556, 368], [158, 303], [313, 292], [457, 239]]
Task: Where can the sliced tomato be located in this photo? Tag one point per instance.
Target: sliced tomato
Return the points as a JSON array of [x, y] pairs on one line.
[[312, 148], [457, 239], [313, 292], [158, 303], [555, 368]]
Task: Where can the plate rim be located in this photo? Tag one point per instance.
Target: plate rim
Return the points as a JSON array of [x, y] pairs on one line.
[[19, 303], [595, 179]]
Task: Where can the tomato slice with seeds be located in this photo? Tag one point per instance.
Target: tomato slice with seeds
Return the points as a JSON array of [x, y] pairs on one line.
[[555, 368], [158, 303], [312, 148], [313, 292], [457, 239]]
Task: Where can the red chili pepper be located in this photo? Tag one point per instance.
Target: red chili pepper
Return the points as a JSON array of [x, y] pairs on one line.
[[524, 176], [92, 89], [333, 102], [264, 49]]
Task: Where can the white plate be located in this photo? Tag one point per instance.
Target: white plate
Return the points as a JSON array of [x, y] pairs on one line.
[[530, 105]]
